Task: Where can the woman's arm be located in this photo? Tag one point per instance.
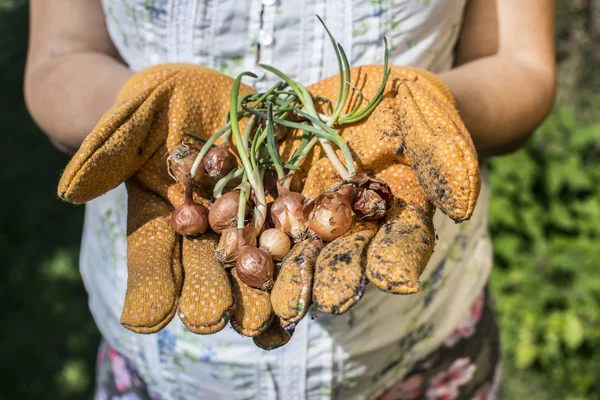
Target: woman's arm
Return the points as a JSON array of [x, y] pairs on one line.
[[73, 72], [505, 79]]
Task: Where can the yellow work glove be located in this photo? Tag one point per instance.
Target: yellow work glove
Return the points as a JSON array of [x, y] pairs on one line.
[[130, 144], [416, 142]]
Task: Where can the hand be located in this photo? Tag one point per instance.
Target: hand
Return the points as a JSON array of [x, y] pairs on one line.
[[130, 144], [416, 142]]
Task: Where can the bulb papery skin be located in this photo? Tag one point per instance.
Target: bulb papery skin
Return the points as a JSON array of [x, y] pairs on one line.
[[223, 212], [190, 219], [275, 242], [287, 216], [328, 215], [280, 131], [369, 205], [231, 241], [218, 162], [179, 165], [255, 268], [374, 197]]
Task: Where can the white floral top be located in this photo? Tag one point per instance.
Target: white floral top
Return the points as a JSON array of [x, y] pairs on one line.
[[356, 355]]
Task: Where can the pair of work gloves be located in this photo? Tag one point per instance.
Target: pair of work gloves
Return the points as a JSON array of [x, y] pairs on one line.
[[414, 140]]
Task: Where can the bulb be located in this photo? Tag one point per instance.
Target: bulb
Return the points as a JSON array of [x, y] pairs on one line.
[[281, 131], [189, 219], [231, 241], [328, 214], [218, 162], [255, 268], [275, 242], [223, 212], [179, 164], [286, 213], [373, 198]]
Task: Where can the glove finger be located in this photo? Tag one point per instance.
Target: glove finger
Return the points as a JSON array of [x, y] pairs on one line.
[[274, 337], [403, 245], [339, 280], [445, 161], [153, 263], [206, 298], [292, 292], [118, 146], [253, 311]]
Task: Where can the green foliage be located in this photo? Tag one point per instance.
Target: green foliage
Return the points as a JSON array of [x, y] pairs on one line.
[[545, 221], [49, 340]]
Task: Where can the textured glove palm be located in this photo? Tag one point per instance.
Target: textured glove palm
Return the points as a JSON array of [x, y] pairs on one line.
[[130, 144], [416, 142]]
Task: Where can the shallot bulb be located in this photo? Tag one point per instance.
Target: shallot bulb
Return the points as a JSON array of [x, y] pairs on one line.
[[255, 268], [189, 219], [224, 211], [179, 164], [218, 162], [231, 241], [275, 242], [328, 214], [281, 131], [373, 198], [286, 213]]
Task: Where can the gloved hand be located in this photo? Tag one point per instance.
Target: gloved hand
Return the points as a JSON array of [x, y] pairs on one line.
[[416, 142], [166, 272]]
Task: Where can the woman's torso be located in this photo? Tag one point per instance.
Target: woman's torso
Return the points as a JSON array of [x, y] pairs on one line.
[[354, 355]]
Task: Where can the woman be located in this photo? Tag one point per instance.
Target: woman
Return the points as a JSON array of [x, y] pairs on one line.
[[498, 61]]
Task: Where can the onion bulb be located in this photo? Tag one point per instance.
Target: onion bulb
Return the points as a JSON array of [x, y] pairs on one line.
[[281, 131], [223, 212], [231, 241], [373, 197], [179, 164], [328, 214], [286, 213], [218, 162], [255, 268], [189, 219], [275, 242]]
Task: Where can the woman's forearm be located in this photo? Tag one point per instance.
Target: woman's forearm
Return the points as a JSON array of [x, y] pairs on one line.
[[505, 79], [73, 72], [67, 95], [502, 99]]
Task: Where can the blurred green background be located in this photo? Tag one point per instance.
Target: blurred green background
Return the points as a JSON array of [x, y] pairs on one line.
[[545, 220]]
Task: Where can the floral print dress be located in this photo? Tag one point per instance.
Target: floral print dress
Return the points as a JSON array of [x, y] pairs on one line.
[[386, 346]]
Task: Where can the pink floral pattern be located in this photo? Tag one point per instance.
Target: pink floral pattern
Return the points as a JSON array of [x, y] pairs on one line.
[[119, 379], [119, 367], [409, 389], [467, 328], [490, 391], [444, 385], [482, 392]]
